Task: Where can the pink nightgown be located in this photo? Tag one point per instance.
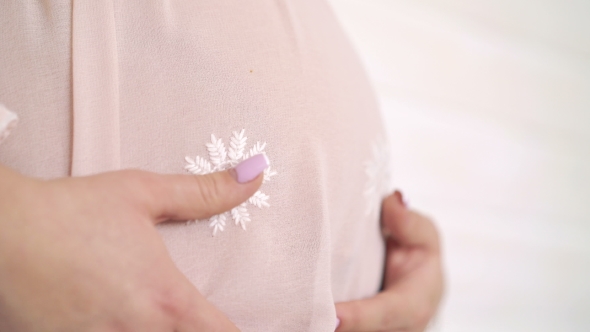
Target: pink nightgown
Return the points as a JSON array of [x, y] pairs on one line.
[[180, 86]]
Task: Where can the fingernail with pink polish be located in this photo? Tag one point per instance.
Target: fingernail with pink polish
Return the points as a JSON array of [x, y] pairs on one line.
[[337, 323], [250, 168], [400, 198]]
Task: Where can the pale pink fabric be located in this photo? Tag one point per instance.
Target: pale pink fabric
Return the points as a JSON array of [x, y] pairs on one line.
[[103, 85]]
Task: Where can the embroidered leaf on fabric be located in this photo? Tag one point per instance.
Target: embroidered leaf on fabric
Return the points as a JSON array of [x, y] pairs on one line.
[[257, 148], [217, 152], [198, 166], [217, 222], [259, 200], [240, 215], [268, 173], [378, 174], [237, 145], [221, 159]]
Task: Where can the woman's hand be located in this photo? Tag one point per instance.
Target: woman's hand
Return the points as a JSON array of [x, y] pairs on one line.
[[413, 283], [82, 254]]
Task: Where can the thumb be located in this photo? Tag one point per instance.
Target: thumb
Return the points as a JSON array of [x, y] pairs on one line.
[[394, 213], [188, 197], [407, 227]]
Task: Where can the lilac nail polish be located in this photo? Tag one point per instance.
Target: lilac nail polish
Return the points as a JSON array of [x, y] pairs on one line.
[[250, 168], [337, 323]]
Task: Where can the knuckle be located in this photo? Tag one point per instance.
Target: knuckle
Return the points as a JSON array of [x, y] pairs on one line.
[[422, 316], [387, 321], [354, 319], [434, 231], [172, 303], [140, 184], [209, 192], [392, 320], [427, 228]]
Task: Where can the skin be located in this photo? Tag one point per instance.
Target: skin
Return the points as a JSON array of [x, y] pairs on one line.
[[82, 254], [413, 281]]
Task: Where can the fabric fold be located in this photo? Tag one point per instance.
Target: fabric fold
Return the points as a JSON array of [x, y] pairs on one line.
[[95, 88]]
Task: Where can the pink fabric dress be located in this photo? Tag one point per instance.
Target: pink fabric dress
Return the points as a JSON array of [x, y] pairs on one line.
[[197, 86]]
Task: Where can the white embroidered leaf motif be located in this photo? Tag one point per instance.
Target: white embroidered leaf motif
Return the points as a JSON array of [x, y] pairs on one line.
[[237, 145], [259, 200], [198, 166], [217, 152], [378, 174], [217, 222], [220, 160], [268, 173], [257, 149], [240, 215]]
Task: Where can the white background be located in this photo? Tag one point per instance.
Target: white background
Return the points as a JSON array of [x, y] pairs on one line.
[[487, 104]]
